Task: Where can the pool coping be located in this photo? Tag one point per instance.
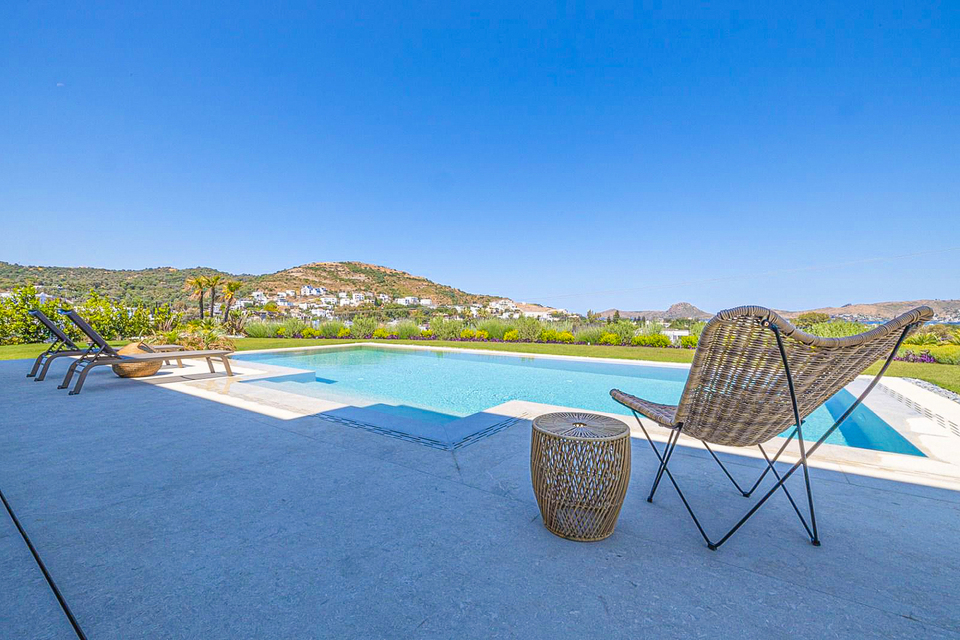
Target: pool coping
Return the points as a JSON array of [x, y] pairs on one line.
[[941, 467]]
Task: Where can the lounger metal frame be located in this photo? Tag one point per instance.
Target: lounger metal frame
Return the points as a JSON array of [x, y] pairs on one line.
[[61, 346], [101, 353]]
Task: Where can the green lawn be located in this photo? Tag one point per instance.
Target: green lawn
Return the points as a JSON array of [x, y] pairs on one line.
[[944, 375]]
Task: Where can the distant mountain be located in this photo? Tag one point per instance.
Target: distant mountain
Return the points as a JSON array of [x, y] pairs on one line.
[[680, 310], [944, 310], [166, 284]]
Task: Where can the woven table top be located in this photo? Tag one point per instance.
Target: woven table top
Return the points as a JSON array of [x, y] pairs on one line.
[[583, 426]]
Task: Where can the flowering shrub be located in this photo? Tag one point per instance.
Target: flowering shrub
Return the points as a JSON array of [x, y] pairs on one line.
[[565, 337], [942, 354], [652, 340], [343, 333], [426, 334], [689, 342], [380, 333], [309, 332], [482, 335], [280, 332], [548, 335], [511, 336], [610, 338], [468, 334], [913, 356]]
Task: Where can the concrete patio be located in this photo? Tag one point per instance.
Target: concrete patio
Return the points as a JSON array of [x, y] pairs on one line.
[[161, 514]]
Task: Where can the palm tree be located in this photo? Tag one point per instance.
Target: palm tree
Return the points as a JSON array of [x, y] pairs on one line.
[[212, 283], [197, 286], [230, 290]]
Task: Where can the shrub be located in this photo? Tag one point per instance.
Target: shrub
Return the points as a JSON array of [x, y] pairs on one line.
[[206, 339], [806, 320], [548, 335], [482, 335], [942, 354], [427, 334], [837, 329], [380, 333], [511, 336], [343, 333], [363, 327], [565, 336], [697, 328], [407, 330], [281, 332], [610, 338], [495, 327], [590, 335], [259, 329], [528, 329], [652, 340], [309, 332], [923, 339], [293, 327], [624, 329], [689, 342], [651, 328], [332, 329], [468, 334], [446, 329]]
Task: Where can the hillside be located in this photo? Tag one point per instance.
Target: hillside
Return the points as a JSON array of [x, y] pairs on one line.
[[680, 310], [944, 310], [358, 276], [166, 284]]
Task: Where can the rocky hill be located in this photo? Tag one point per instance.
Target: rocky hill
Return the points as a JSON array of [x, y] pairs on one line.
[[680, 310], [944, 310], [166, 284], [359, 276]]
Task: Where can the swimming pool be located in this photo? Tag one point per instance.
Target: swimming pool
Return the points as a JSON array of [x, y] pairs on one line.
[[440, 387]]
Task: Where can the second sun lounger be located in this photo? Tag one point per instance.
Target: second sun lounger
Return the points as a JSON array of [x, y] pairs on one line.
[[101, 353]]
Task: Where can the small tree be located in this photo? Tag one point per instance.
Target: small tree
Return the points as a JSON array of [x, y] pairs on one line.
[[807, 320], [230, 290], [213, 282], [197, 286]]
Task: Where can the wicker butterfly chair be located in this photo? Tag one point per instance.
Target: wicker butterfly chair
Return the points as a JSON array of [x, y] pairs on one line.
[[754, 376]]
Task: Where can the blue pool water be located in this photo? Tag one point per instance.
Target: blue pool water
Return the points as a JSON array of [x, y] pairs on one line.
[[442, 386]]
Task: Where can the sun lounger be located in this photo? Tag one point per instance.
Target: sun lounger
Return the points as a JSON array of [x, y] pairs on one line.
[[101, 353], [753, 377], [61, 346]]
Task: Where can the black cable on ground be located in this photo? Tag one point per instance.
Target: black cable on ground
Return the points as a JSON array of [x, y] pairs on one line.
[[43, 568]]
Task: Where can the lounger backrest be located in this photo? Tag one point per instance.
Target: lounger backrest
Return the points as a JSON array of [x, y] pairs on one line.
[[737, 392], [52, 327], [89, 331]]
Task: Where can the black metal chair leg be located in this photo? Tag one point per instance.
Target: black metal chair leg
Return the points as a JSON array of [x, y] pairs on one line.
[[729, 475], [668, 451]]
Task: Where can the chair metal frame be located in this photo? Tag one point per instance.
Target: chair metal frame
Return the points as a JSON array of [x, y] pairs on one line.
[[781, 479]]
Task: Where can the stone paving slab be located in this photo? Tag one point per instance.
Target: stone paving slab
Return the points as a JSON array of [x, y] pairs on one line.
[[161, 514]]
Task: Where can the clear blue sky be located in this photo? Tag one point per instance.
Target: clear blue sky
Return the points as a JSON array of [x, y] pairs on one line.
[[706, 154]]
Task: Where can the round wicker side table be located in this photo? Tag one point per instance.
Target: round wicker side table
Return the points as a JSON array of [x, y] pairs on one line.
[[580, 466]]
